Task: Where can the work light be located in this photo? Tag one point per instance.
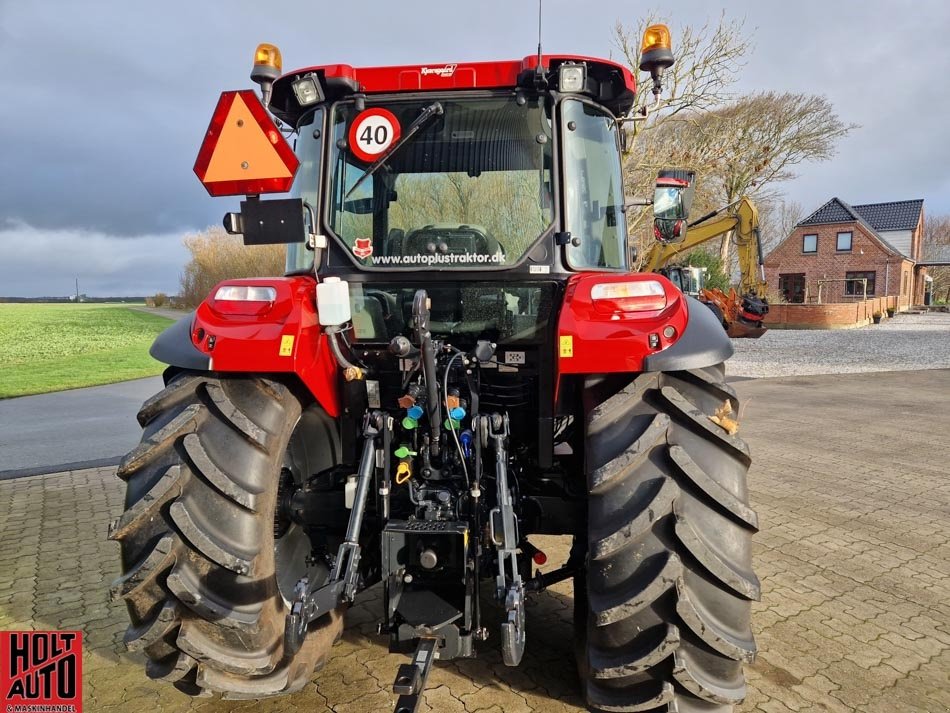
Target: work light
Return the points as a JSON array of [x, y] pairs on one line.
[[571, 77], [307, 90]]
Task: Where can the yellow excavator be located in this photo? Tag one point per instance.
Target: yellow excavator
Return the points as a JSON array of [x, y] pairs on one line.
[[740, 311]]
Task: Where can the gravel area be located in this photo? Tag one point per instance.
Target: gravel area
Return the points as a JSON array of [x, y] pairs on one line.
[[906, 342]]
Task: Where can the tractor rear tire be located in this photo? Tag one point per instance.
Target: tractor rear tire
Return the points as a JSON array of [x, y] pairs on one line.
[[714, 308], [199, 561], [669, 572]]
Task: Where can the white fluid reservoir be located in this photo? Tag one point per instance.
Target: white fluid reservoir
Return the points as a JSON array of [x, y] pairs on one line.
[[349, 492], [333, 301]]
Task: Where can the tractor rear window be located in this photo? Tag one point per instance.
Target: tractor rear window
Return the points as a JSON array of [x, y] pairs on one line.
[[468, 187], [593, 193], [462, 312]]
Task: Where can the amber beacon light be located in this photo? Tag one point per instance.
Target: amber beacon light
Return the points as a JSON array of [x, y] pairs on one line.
[[267, 68], [656, 55], [656, 37]]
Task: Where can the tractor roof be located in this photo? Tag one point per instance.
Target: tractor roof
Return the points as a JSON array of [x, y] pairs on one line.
[[613, 84]]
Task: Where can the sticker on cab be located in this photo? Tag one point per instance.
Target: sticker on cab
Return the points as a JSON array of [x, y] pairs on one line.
[[286, 345], [372, 132], [567, 345], [363, 248]]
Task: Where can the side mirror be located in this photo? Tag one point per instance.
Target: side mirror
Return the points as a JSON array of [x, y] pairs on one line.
[[673, 196], [669, 231], [672, 200]]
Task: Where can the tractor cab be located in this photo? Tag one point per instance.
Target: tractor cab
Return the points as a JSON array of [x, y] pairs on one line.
[[487, 167]]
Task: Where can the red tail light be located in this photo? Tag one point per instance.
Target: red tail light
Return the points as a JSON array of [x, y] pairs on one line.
[[638, 296], [247, 300]]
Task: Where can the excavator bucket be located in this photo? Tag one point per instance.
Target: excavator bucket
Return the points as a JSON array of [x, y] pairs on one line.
[[741, 330]]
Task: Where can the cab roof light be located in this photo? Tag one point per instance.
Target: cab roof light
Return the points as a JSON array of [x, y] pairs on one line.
[[307, 89], [656, 37], [268, 55], [571, 77], [638, 296], [656, 55]]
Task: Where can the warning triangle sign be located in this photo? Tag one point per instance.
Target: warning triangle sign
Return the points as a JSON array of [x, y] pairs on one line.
[[243, 152]]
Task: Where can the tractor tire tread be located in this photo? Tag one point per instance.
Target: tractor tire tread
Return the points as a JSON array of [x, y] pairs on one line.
[[669, 582], [207, 468], [196, 539]]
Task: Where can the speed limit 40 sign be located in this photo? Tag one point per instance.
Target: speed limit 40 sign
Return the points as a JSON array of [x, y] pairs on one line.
[[372, 132]]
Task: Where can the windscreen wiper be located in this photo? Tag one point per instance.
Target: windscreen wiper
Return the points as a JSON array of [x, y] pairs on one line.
[[430, 112]]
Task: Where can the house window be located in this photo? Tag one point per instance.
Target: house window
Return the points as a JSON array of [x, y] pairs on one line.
[[855, 288], [792, 286], [904, 283], [809, 243], [844, 242]]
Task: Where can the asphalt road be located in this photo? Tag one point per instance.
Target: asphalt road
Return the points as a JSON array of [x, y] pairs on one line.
[[60, 431], [95, 426]]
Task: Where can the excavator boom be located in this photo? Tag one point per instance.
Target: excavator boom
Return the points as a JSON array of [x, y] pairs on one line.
[[742, 312]]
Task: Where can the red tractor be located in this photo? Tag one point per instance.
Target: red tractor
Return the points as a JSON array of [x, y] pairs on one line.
[[458, 358]]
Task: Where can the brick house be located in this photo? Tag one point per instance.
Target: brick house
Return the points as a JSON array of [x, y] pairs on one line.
[[877, 242]]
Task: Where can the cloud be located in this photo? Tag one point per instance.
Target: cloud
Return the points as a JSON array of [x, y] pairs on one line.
[[39, 262], [100, 129]]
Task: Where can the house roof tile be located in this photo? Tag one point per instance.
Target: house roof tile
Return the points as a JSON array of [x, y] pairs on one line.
[[886, 215], [895, 215], [834, 211]]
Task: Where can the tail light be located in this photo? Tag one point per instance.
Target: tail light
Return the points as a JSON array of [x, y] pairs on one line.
[[249, 300], [245, 293], [639, 296]]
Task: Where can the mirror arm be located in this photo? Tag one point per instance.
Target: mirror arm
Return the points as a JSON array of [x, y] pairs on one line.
[[637, 202]]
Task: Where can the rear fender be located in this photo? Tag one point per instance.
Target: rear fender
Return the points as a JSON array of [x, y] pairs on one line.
[[593, 340], [283, 336], [703, 343], [175, 348]]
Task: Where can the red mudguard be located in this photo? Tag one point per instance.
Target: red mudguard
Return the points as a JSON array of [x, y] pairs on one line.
[[281, 336], [599, 337]]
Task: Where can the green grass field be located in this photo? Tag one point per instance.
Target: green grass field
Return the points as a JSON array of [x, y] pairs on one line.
[[51, 347]]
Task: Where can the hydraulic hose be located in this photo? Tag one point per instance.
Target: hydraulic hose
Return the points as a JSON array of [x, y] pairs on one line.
[[420, 312], [332, 333]]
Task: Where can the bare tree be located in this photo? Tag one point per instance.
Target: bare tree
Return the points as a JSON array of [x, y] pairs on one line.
[[707, 64], [217, 256], [737, 145], [936, 246], [777, 219], [762, 138], [749, 145]]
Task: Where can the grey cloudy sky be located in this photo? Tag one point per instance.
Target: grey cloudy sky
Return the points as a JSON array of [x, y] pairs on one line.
[[103, 104]]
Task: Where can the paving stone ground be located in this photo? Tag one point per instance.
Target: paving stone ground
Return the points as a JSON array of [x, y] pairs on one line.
[[852, 484]]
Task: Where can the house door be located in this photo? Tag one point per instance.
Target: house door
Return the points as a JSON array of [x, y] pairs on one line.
[[792, 286]]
